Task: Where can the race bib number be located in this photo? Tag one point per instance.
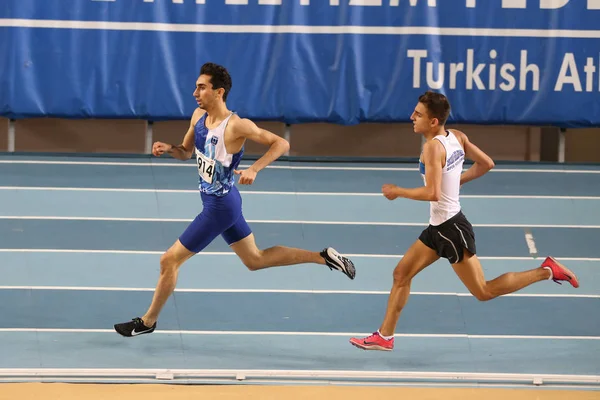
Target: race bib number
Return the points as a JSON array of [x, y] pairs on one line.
[[206, 167]]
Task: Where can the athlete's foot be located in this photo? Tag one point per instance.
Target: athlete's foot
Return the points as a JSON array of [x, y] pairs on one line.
[[373, 342], [134, 327], [335, 260], [559, 272]]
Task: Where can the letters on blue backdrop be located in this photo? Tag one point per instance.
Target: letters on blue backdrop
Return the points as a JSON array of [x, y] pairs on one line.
[[341, 61]]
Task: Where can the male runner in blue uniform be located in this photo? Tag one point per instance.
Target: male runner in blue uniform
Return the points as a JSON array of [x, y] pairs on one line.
[[216, 138]]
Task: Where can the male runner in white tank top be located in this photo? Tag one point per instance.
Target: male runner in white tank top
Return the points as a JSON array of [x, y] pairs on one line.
[[449, 234]]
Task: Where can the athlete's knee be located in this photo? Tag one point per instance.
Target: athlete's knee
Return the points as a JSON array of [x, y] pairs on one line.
[[253, 261], [169, 262], [483, 294], [401, 277]]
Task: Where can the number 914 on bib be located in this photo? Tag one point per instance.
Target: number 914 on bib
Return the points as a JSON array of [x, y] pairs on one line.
[[206, 167]]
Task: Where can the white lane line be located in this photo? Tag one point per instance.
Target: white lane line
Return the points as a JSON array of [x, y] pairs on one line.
[[279, 291], [290, 167], [280, 193], [290, 333], [229, 253], [297, 222]]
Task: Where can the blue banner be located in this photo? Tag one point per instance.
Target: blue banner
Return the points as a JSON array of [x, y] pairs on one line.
[[342, 61]]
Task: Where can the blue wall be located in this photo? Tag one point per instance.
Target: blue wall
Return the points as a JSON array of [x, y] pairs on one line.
[[344, 63]]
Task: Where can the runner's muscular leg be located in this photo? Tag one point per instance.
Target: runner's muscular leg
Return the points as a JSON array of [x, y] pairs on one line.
[[170, 262], [417, 258], [255, 259], [470, 272]]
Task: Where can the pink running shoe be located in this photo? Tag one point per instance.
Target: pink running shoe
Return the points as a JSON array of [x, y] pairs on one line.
[[373, 342], [560, 272]]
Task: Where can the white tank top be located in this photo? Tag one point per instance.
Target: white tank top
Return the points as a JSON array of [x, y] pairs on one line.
[[215, 165], [449, 203]]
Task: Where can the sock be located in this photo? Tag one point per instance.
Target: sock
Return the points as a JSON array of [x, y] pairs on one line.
[[385, 337], [551, 274]]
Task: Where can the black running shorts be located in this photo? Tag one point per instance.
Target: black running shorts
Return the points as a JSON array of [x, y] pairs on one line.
[[450, 238]]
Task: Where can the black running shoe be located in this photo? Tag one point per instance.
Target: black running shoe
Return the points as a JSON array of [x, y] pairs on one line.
[[133, 328], [335, 260]]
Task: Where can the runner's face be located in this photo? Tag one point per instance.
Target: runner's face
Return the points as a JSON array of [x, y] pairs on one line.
[[421, 121], [204, 93]]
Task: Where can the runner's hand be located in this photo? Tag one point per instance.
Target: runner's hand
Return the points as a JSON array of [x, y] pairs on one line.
[[247, 176], [389, 191], [159, 148]]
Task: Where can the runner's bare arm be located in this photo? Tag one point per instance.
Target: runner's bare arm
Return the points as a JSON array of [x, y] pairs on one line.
[[482, 162], [433, 153], [278, 146], [184, 150]]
